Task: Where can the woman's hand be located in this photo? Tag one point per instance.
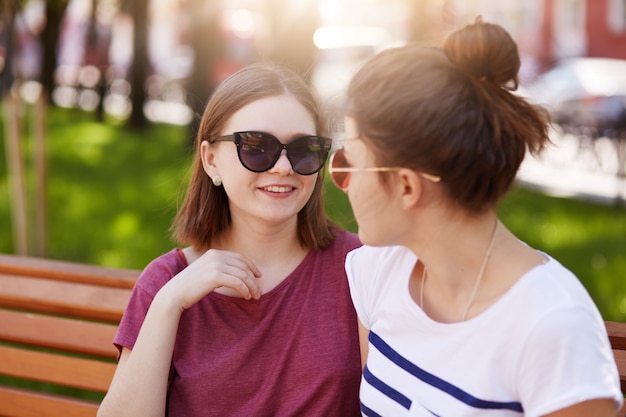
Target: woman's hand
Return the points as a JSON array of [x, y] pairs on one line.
[[140, 383], [214, 269]]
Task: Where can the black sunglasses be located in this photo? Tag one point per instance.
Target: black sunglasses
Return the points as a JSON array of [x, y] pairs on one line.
[[259, 151]]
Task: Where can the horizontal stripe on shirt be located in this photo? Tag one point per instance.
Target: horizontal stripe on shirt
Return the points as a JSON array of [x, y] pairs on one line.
[[428, 378]]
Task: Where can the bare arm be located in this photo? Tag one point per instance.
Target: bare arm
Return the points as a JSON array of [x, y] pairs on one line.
[[593, 408], [139, 386]]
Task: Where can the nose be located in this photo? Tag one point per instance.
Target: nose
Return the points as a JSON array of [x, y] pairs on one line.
[[282, 166]]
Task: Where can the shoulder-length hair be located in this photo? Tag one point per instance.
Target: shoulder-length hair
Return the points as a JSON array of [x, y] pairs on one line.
[[205, 212]]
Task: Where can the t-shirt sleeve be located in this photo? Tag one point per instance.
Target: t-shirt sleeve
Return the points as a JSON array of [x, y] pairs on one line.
[[566, 360], [132, 319], [150, 281], [358, 285]]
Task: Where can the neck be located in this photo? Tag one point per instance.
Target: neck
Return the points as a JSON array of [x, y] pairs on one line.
[[261, 241], [455, 284]]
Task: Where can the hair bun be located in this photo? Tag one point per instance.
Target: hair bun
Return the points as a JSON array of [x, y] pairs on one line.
[[485, 52]]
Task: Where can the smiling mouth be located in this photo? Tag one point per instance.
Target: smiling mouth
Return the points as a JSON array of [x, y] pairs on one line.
[[278, 189]]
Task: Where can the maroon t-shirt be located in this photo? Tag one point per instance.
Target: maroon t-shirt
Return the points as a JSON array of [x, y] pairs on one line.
[[294, 352]]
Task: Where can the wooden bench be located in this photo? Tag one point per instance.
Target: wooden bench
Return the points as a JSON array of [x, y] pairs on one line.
[[617, 336], [57, 320]]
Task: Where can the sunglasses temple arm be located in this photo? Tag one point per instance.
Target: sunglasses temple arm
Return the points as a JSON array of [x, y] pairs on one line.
[[429, 177]]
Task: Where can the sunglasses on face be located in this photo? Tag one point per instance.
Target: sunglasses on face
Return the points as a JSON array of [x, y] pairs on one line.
[[259, 151], [340, 170]]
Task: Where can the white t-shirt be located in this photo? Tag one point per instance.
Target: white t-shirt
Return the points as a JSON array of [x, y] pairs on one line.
[[541, 347]]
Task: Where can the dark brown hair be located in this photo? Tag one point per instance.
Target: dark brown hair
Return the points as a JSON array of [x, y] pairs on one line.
[[450, 111], [205, 211]]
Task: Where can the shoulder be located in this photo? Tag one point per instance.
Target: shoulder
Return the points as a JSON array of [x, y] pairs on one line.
[[369, 269], [563, 341], [382, 256], [555, 306], [160, 270], [551, 286], [344, 242], [371, 266], [335, 254]]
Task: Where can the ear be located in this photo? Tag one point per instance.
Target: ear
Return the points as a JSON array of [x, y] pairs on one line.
[[207, 156], [410, 187]]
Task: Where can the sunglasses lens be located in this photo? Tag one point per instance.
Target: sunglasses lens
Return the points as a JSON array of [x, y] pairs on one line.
[[308, 154], [338, 161], [258, 151]]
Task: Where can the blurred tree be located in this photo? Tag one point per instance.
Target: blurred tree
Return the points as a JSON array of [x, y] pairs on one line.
[[208, 45], [8, 12], [140, 68], [97, 54], [49, 37]]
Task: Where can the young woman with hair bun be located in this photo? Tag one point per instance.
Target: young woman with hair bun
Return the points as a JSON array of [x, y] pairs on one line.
[[458, 317]]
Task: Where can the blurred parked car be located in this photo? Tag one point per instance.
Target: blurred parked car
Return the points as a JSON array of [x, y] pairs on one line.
[[585, 93]]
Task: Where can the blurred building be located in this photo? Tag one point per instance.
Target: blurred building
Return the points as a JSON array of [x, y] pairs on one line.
[[326, 39], [548, 31]]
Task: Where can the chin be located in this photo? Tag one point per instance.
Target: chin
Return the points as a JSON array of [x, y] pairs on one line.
[[381, 236], [369, 240]]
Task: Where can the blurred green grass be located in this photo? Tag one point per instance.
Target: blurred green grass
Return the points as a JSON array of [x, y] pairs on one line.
[[111, 191], [112, 194]]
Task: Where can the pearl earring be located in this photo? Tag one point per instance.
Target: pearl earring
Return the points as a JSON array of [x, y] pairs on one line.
[[217, 181]]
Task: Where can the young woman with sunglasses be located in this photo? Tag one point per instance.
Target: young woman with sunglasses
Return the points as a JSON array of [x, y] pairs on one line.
[[458, 317], [253, 317]]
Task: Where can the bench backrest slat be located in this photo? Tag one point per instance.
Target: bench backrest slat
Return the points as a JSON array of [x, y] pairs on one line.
[[56, 369], [617, 334], [23, 403], [620, 359], [57, 322], [71, 335], [67, 271], [66, 298]]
